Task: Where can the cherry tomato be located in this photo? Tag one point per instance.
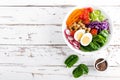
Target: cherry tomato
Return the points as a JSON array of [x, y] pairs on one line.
[[90, 9], [94, 31], [87, 21], [72, 33], [85, 15]]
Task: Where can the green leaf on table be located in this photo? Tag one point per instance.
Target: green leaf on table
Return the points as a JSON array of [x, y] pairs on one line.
[[77, 72], [85, 68], [71, 60], [80, 70]]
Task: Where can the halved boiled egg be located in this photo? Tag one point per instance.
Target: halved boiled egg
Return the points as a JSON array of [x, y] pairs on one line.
[[86, 39], [78, 34]]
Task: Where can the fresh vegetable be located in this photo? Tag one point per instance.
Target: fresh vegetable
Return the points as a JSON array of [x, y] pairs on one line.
[[85, 48], [77, 72], [104, 25], [91, 21], [100, 40], [102, 37], [96, 15], [79, 14], [94, 31], [72, 33], [104, 33], [71, 60], [73, 17], [94, 46], [84, 16], [85, 68], [90, 9], [71, 40], [97, 42], [80, 70], [91, 47]]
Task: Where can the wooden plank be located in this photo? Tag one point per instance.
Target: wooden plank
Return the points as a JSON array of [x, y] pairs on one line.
[[26, 56], [47, 73], [64, 77], [15, 76], [58, 2], [40, 35], [31, 15], [50, 34], [44, 15], [42, 62], [55, 72]]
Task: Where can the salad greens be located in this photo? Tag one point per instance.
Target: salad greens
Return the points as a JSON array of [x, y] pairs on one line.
[[71, 60], [77, 72], [104, 33], [80, 70], [97, 42], [85, 68]]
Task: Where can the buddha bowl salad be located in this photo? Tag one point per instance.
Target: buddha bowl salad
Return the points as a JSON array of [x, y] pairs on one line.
[[87, 29]]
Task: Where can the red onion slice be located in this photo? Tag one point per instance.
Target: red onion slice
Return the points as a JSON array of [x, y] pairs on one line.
[[71, 39]]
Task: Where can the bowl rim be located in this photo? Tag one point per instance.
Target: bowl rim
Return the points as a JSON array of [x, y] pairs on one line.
[[79, 51]]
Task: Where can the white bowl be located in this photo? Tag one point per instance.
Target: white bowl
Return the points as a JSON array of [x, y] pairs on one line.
[[65, 27]]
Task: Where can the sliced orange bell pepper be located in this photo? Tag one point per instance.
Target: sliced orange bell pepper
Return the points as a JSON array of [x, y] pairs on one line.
[[73, 17]]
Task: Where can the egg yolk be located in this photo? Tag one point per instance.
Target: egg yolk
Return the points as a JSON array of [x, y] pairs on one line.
[[79, 36], [85, 40]]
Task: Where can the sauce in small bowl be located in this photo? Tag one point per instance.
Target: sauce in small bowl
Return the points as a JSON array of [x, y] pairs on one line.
[[102, 66]]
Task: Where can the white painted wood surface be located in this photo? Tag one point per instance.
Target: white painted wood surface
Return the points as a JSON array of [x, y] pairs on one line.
[[31, 43]]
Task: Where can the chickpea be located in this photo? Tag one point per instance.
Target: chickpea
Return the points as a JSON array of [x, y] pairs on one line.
[[88, 29], [79, 22], [74, 24]]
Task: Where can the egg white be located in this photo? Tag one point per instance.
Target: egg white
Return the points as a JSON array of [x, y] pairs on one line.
[[78, 32], [89, 35]]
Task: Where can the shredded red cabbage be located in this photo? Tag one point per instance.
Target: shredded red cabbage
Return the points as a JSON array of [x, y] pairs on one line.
[[104, 25]]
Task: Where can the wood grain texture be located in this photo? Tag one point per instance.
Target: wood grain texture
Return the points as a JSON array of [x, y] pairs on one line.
[[35, 56], [57, 2], [40, 35], [45, 15], [47, 62], [52, 73]]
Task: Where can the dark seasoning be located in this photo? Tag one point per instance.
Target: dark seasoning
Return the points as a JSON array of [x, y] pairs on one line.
[[102, 66]]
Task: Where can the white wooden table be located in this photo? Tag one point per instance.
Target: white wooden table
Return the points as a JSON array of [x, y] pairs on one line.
[[32, 46]]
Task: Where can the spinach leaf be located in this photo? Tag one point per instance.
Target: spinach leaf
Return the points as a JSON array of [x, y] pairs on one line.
[[93, 46], [83, 48], [80, 70], [77, 72], [85, 68], [71, 60], [104, 33], [86, 48], [99, 39]]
